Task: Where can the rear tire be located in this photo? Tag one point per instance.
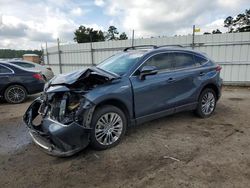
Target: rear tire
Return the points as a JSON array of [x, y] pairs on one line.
[[207, 103], [109, 125], [15, 94]]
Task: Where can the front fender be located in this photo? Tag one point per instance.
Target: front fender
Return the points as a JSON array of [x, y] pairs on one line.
[[120, 91]]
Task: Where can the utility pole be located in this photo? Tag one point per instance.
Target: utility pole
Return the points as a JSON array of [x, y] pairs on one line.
[[47, 54], [42, 56], [193, 36], [133, 37], [91, 50], [59, 55]]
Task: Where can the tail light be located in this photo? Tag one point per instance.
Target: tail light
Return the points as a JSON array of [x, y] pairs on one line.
[[38, 76], [48, 68], [218, 68]]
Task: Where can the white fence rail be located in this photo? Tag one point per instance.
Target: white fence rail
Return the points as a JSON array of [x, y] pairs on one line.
[[230, 50]]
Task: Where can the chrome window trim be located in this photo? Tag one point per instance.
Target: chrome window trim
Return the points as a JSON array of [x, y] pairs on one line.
[[12, 72], [173, 69]]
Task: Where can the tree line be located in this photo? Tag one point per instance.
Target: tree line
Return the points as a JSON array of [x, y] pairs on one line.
[[239, 23], [9, 53], [86, 34]]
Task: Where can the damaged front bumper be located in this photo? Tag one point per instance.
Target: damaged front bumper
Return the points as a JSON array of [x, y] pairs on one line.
[[53, 137]]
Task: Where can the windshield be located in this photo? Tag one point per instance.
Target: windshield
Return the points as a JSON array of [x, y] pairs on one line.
[[120, 63]]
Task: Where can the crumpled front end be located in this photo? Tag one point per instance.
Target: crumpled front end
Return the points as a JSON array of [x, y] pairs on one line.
[[65, 114], [60, 123]]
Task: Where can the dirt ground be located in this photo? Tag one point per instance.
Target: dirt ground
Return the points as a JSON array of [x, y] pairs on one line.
[[177, 151]]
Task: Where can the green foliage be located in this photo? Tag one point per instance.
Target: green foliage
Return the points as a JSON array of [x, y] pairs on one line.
[[228, 22], [241, 23], [216, 31], [83, 34], [112, 33], [8, 53], [123, 36]]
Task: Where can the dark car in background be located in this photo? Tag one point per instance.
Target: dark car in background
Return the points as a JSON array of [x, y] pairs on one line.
[[46, 72], [137, 85], [16, 83]]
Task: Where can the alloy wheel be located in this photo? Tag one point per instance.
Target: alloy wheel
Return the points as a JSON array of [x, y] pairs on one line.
[[16, 94], [208, 103], [108, 128]]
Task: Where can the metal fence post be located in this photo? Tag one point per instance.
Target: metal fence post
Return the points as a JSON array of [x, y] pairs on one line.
[[91, 51], [92, 54], [47, 54], [193, 36], [133, 38], [41, 61], [59, 55]]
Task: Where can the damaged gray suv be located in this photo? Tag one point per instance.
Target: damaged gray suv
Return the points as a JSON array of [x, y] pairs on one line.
[[96, 105]]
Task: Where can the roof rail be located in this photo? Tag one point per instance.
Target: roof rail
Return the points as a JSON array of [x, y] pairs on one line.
[[174, 45], [141, 46]]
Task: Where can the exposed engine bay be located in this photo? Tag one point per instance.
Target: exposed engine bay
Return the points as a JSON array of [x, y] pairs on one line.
[[64, 101], [62, 107], [65, 112]]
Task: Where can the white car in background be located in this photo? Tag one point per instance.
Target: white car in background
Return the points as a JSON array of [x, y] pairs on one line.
[[46, 71]]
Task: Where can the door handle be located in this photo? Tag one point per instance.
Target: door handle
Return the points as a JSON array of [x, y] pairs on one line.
[[170, 80], [202, 74]]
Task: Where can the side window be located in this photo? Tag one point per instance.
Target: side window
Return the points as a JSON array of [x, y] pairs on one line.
[[183, 60], [4, 70], [200, 60], [161, 61]]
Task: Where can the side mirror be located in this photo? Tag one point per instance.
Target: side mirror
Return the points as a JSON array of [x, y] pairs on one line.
[[147, 70]]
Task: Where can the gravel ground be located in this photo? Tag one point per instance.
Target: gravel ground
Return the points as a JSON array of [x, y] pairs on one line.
[[176, 151]]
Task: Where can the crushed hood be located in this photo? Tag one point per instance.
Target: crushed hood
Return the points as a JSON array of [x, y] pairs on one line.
[[72, 77]]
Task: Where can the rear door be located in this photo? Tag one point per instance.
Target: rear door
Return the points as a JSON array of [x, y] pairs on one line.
[[186, 78], [5, 76]]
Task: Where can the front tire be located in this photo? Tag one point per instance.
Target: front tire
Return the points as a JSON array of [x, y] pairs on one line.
[[109, 125], [15, 94], [207, 103]]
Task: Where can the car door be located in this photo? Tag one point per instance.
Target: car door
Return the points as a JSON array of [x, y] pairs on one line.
[[154, 94], [186, 78], [5, 74]]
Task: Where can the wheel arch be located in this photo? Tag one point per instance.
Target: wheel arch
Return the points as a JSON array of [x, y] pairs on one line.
[[15, 83], [211, 86], [117, 103]]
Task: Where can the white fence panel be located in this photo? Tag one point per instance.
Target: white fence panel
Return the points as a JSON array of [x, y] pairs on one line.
[[231, 50]]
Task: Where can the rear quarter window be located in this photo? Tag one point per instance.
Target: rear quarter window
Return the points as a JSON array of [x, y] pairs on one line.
[[200, 60]]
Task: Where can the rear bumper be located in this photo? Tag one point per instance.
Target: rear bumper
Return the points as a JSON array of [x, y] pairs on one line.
[[53, 137], [36, 88], [220, 88]]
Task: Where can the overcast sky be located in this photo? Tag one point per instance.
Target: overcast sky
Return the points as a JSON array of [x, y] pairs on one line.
[[26, 24]]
